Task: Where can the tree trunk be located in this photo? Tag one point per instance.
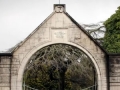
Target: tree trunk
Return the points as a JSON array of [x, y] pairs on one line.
[[62, 78]]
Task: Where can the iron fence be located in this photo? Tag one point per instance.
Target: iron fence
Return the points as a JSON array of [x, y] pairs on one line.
[[26, 87], [94, 87]]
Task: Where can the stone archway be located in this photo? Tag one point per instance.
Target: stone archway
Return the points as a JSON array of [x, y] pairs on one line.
[[59, 27], [26, 59]]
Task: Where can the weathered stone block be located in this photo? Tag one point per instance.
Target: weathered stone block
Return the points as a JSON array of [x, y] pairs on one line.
[[5, 79], [5, 88], [5, 70], [5, 60]]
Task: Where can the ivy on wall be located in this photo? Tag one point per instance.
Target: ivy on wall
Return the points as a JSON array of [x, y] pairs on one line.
[[112, 35]]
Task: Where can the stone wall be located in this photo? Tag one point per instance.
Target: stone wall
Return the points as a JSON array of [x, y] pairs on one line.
[[114, 71], [5, 65]]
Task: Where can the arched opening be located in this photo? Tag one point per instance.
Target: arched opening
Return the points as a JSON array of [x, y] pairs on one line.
[[38, 47], [60, 67]]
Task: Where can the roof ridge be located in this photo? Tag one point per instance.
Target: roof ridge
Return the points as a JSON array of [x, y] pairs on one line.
[[86, 33], [22, 42]]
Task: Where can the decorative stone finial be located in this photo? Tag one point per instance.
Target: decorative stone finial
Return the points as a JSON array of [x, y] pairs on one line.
[[59, 8]]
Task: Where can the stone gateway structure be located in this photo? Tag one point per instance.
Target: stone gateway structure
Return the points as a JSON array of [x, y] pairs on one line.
[[59, 27]]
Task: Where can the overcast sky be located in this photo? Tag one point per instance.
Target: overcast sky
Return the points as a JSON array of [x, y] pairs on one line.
[[18, 18]]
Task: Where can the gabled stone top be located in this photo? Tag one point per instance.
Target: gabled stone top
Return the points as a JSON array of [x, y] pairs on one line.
[[59, 8]]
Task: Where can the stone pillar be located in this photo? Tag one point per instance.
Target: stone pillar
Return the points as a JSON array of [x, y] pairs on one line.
[[5, 73]]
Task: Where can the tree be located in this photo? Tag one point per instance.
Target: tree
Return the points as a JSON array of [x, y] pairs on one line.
[[97, 31], [58, 67], [112, 35]]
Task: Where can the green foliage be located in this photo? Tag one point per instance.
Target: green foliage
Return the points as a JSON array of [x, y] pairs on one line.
[[57, 67], [112, 35]]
